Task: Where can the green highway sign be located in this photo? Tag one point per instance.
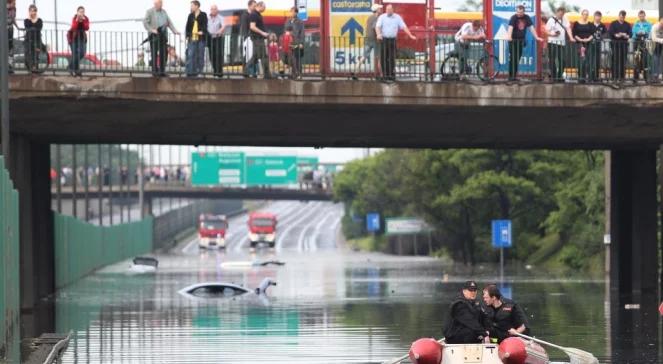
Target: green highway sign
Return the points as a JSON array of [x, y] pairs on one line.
[[270, 170], [204, 169], [405, 225]]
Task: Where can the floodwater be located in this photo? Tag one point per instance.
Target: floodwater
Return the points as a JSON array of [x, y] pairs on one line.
[[330, 305]]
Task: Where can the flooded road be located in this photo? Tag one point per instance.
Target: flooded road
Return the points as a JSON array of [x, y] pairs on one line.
[[330, 305]]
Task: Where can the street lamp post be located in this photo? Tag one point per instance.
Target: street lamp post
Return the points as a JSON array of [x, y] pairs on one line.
[[4, 83]]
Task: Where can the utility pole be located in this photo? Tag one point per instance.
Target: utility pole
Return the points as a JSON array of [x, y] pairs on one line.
[[4, 84]]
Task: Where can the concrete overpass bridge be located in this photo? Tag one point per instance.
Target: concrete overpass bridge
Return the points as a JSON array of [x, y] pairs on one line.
[[158, 190], [628, 121]]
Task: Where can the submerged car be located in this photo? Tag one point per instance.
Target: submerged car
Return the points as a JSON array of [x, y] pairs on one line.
[[224, 290]]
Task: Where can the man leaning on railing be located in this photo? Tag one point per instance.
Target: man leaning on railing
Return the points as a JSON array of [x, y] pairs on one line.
[[469, 33], [657, 38], [620, 33], [558, 29], [157, 22]]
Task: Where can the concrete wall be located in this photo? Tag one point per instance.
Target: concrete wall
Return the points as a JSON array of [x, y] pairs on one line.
[[9, 262], [335, 113]]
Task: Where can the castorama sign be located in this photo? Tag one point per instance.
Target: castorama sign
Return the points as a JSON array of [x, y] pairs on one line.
[[503, 10]]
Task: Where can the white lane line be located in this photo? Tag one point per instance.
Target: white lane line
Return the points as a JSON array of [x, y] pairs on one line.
[[304, 213], [317, 232], [301, 244]]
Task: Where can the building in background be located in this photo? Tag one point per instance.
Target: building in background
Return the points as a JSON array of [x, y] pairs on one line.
[[644, 4]]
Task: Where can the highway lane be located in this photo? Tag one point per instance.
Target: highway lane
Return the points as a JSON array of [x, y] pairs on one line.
[[302, 227]]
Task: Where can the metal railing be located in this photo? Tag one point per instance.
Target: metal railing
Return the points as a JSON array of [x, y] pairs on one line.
[[425, 59]]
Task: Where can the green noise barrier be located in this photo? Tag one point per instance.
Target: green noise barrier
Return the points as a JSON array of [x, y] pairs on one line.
[[81, 248], [9, 263]]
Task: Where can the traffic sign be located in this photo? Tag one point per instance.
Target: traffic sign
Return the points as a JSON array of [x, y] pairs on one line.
[[502, 234], [372, 222], [271, 170], [406, 225], [204, 169]]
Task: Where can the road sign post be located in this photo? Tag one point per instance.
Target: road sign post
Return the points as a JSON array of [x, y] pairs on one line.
[[501, 239]]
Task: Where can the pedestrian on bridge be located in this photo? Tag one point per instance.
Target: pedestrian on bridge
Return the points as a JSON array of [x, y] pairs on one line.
[[11, 23], [620, 33], [216, 40], [33, 44], [558, 29], [157, 22], [657, 38], [519, 24], [196, 32], [295, 51], [77, 39], [371, 50], [387, 28], [258, 37]]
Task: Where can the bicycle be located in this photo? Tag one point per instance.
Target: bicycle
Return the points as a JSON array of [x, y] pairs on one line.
[[486, 67]]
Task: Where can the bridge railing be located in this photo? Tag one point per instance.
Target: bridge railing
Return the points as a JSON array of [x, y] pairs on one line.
[[426, 59]]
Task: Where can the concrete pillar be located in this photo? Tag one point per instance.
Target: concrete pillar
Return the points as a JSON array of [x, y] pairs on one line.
[[634, 258], [31, 175]]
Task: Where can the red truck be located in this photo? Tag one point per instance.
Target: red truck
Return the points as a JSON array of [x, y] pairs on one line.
[[212, 231], [262, 229]]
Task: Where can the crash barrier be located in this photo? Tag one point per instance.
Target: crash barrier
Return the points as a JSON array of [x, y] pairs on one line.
[[9, 263], [430, 58], [172, 223], [81, 248]]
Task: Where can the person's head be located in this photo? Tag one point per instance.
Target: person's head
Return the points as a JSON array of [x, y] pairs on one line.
[[260, 6], [470, 290], [213, 10], [597, 16], [293, 12], [32, 10], [642, 16], [376, 8], [491, 294], [11, 3], [559, 13], [476, 25], [584, 15], [520, 10], [272, 37], [389, 9], [251, 5], [195, 6], [622, 16], [158, 4]]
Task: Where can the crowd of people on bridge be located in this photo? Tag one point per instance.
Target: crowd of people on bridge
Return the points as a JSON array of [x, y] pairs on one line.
[[93, 175], [281, 55]]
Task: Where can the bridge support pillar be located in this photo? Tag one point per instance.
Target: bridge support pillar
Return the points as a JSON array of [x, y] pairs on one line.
[[634, 261], [30, 172]]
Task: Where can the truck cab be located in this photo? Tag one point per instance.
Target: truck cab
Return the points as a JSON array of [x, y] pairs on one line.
[[262, 229], [212, 231]]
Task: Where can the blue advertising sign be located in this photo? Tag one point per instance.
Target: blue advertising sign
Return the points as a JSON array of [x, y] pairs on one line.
[[373, 222], [503, 10], [502, 234]]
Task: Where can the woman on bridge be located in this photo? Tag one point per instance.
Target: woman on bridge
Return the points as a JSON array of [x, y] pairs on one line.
[[77, 39], [33, 46]]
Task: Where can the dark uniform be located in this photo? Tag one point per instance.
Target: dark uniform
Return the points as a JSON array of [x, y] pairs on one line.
[[466, 321], [508, 316]]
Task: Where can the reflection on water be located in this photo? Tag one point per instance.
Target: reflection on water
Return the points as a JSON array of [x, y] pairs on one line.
[[326, 308]]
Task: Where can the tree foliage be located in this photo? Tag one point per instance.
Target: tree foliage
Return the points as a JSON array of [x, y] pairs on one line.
[[459, 192]]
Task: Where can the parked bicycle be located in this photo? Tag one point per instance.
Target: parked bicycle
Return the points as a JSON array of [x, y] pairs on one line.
[[486, 67]]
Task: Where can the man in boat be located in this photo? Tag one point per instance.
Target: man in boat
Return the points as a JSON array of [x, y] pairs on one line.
[[508, 318], [466, 321]]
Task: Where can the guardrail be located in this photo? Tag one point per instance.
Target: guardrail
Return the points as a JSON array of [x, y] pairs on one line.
[[437, 58]]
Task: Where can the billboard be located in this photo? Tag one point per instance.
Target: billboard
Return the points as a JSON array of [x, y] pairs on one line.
[[347, 30], [502, 12]]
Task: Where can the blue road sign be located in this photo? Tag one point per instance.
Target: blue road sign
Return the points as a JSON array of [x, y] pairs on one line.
[[502, 234], [373, 222]]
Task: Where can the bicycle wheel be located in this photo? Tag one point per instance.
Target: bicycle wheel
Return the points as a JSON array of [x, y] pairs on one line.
[[486, 71], [450, 68]]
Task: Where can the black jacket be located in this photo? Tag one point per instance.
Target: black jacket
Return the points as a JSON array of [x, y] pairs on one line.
[[508, 316], [465, 319], [202, 25]]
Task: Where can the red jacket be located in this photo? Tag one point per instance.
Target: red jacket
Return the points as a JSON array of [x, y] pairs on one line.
[[73, 30]]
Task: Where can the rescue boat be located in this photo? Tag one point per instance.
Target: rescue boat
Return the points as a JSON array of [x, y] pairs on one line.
[[514, 350]]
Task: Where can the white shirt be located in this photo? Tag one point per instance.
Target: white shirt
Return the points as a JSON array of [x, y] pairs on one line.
[[553, 25], [467, 29], [657, 33]]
